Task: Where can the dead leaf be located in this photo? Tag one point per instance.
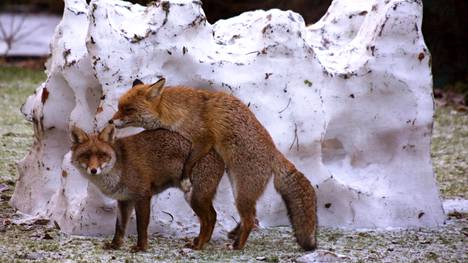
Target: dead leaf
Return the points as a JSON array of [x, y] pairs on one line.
[[47, 236], [41, 221]]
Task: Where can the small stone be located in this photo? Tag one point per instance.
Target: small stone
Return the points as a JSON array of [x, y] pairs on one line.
[[322, 256], [186, 250], [31, 256]]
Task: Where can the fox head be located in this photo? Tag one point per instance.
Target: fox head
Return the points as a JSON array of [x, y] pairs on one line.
[[138, 106], [93, 154]]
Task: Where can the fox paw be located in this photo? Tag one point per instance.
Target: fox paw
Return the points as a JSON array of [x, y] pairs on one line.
[[234, 246], [136, 249], [229, 246], [195, 244], [234, 234], [111, 246]]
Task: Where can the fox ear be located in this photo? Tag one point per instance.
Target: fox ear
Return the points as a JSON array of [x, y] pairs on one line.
[[136, 82], [156, 88], [108, 134], [77, 135]]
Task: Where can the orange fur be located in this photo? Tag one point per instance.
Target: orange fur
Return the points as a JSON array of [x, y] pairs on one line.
[[219, 121]]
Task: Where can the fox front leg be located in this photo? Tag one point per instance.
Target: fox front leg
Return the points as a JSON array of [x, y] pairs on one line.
[[198, 151], [123, 214]]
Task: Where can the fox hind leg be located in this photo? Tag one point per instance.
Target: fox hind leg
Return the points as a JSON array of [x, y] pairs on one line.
[[207, 215], [247, 213], [248, 185], [142, 210], [246, 199], [205, 185]]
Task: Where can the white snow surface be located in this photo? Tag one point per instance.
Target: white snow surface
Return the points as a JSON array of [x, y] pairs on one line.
[[455, 205], [347, 99]]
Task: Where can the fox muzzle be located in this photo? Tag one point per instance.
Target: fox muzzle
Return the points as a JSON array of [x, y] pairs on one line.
[[93, 171], [118, 123]]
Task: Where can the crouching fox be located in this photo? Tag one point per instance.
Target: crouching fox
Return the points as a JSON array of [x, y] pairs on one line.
[[133, 169]]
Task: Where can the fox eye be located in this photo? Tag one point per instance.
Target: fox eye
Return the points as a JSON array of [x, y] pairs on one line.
[[85, 156], [129, 110]]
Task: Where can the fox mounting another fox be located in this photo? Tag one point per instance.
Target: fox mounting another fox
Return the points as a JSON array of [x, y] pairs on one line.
[[219, 121], [135, 168]]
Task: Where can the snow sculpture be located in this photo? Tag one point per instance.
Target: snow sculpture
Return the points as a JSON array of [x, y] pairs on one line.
[[348, 99]]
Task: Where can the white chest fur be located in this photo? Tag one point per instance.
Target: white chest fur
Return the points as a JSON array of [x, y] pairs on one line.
[[110, 184]]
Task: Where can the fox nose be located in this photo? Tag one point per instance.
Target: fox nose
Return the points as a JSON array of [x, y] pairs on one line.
[[93, 171], [111, 121]]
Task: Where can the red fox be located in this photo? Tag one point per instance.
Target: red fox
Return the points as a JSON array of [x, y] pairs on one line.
[[219, 121], [135, 168]]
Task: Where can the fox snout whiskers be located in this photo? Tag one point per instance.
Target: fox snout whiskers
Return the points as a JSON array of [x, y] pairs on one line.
[[117, 123]]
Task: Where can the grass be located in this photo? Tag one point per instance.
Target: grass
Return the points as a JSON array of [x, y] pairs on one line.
[[15, 133], [19, 77], [445, 244], [43, 243], [450, 152]]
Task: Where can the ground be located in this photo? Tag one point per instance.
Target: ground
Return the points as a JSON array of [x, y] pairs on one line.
[[37, 241]]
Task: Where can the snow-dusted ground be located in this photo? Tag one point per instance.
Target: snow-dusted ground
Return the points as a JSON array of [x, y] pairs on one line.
[[31, 33], [44, 243], [456, 205]]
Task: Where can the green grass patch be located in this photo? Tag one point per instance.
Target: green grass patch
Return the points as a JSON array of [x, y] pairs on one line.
[[16, 133], [450, 151], [11, 76]]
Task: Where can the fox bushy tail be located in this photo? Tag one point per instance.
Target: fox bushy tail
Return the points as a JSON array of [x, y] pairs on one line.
[[299, 197]]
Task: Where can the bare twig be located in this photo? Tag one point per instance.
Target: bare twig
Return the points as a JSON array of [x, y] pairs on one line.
[[169, 214], [289, 101], [296, 139], [16, 33], [233, 218], [12, 22], [20, 25], [25, 34], [4, 34]]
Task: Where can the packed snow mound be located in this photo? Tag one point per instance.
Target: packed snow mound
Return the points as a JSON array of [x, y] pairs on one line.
[[347, 99]]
